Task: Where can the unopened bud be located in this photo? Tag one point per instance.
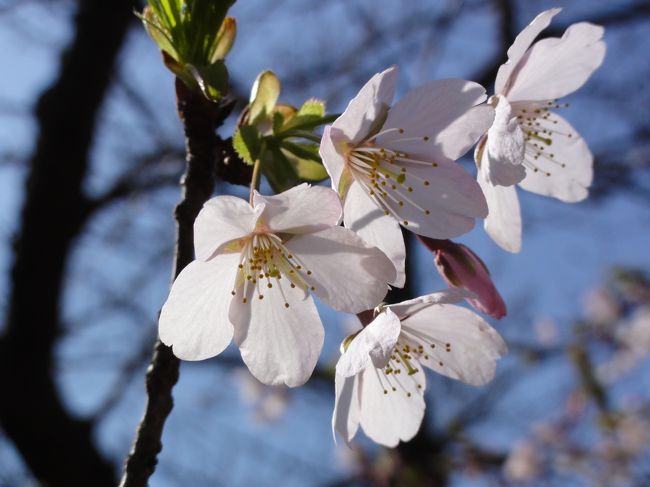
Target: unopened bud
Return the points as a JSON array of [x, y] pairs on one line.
[[462, 268]]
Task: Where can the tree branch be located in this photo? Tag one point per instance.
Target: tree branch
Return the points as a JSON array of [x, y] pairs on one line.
[[204, 149]]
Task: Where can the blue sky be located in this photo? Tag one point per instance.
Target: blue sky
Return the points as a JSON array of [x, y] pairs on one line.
[[567, 248]]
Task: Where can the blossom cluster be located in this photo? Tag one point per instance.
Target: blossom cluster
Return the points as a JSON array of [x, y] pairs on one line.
[[392, 168]]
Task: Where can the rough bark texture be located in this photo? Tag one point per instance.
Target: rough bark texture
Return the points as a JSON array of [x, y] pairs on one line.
[[57, 448], [205, 150]]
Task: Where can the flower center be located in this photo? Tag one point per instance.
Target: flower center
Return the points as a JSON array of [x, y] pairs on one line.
[[388, 176], [264, 262], [540, 130], [401, 369]]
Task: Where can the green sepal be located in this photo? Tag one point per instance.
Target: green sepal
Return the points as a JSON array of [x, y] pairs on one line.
[[247, 142], [344, 183]]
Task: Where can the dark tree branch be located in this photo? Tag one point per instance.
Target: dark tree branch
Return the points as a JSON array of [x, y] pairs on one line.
[[204, 148], [57, 448]]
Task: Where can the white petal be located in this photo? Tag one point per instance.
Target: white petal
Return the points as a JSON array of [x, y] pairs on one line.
[[446, 296], [301, 209], [474, 346], [330, 151], [444, 201], [389, 417], [345, 418], [503, 223], [347, 274], [222, 220], [571, 182], [194, 319], [443, 111], [279, 344], [521, 45], [368, 108], [372, 345], [505, 149], [362, 215], [555, 67]]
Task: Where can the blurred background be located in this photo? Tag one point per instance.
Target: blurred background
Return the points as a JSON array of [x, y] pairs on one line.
[[83, 87]]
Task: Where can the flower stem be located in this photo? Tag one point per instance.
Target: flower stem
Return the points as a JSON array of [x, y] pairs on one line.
[[257, 175]]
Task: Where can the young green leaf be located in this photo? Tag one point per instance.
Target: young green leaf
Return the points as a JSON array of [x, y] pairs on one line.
[[247, 143]]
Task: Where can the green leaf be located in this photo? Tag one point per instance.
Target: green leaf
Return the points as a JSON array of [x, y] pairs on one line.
[[306, 169], [225, 39], [278, 120], [264, 95], [313, 107], [247, 142], [307, 122], [302, 150], [157, 32], [279, 171], [212, 79]]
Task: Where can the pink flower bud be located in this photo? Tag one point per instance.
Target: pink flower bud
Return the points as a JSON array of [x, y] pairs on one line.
[[462, 268]]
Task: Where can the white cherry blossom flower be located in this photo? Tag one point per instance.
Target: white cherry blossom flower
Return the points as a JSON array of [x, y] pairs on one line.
[[529, 144], [256, 266], [379, 378], [394, 165]]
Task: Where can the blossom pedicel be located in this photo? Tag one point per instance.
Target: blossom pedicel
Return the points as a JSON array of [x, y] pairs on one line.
[[528, 143], [394, 165], [256, 266]]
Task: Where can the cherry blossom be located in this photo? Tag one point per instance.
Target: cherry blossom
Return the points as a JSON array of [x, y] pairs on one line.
[[394, 165], [528, 143], [256, 267], [379, 378]]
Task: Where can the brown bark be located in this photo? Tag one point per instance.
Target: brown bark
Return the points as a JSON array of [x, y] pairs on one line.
[[205, 150]]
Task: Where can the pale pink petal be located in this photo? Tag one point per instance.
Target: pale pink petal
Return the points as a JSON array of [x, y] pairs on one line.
[[278, 343], [389, 416], [446, 296], [505, 148], [521, 45], [331, 153], [555, 67], [345, 272], [503, 223], [457, 342], [443, 203], [222, 220], [565, 169], [301, 209], [367, 110], [371, 346], [363, 216], [345, 418], [439, 120], [194, 319]]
